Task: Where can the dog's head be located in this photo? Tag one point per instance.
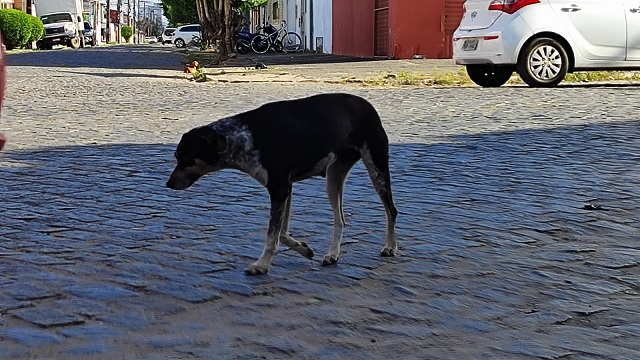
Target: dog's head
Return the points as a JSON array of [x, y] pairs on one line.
[[197, 154]]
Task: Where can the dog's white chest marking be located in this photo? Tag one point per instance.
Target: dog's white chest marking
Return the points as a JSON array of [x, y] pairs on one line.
[[240, 152]]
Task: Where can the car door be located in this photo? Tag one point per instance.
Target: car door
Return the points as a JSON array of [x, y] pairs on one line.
[[597, 27], [632, 13]]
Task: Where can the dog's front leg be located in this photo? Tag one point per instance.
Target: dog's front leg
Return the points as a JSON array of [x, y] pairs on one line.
[[278, 208]]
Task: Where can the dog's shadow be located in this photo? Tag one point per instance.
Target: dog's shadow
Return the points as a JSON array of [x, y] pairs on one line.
[[87, 198]]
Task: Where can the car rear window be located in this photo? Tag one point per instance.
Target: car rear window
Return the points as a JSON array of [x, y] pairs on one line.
[[169, 32]]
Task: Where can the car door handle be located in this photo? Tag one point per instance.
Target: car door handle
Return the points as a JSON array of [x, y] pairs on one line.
[[573, 8]]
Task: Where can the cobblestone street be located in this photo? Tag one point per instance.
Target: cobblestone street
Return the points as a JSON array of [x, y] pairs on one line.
[[518, 224]]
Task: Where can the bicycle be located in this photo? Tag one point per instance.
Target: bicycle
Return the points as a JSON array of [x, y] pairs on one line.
[[278, 39]]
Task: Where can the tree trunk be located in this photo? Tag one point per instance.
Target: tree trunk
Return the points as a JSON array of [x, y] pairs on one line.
[[228, 27], [215, 18]]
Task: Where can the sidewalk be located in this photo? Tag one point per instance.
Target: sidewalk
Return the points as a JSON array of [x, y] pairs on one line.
[[319, 68]]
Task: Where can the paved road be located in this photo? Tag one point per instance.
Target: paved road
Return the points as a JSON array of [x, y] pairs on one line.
[[500, 260]]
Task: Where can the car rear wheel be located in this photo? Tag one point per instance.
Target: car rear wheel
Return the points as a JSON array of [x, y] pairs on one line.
[[544, 63], [489, 75], [179, 43]]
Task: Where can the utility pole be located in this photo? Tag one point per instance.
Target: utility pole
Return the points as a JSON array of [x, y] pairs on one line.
[[144, 17], [108, 30], [135, 22], [129, 13], [118, 15]]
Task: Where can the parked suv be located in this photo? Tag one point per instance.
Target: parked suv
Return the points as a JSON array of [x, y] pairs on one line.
[[542, 40], [167, 35], [184, 34]]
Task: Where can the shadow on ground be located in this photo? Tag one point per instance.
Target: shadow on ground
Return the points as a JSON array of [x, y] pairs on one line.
[[119, 57], [525, 178], [157, 57], [272, 59]]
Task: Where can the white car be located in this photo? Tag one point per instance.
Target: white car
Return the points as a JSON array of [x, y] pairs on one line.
[[184, 34], [167, 35], [151, 39], [542, 40]]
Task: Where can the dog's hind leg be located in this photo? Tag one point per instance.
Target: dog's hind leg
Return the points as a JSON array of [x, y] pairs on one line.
[[375, 156], [287, 240], [337, 173], [279, 197]]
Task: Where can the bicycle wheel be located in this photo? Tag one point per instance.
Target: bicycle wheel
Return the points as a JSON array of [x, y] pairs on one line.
[[260, 44], [292, 42]]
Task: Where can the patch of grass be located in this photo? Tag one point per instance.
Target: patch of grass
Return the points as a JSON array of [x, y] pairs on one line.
[[409, 78], [460, 78], [595, 76], [19, 51]]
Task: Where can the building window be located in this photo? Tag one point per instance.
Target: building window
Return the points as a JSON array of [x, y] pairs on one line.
[[275, 13]]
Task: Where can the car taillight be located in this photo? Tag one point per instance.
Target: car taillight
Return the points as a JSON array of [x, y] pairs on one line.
[[510, 6]]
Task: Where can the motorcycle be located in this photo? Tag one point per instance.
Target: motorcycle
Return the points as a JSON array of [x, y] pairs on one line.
[[243, 40]]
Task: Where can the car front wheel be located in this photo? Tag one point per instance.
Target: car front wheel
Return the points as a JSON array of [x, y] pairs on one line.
[[179, 43], [544, 63], [489, 75]]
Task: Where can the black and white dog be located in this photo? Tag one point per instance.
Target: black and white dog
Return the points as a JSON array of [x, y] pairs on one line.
[[287, 141]]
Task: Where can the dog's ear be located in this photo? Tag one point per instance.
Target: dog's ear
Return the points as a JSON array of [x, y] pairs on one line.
[[212, 138]]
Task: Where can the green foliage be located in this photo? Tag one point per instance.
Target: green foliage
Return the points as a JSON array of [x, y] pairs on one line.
[[37, 29], [127, 32], [244, 5], [180, 12], [15, 27]]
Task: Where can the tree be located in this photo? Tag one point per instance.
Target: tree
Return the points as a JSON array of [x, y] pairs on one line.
[[127, 33], [216, 18], [180, 12], [245, 5]]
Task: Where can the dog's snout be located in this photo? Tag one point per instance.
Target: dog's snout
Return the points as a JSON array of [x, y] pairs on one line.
[[179, 180]]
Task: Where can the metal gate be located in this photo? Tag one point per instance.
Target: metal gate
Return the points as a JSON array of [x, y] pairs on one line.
[[381, 28], [453, 12]]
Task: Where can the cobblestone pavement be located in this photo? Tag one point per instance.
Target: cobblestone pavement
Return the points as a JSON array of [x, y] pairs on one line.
[[500, 258]]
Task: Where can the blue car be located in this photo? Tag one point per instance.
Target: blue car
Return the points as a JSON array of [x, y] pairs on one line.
[[89, 34]]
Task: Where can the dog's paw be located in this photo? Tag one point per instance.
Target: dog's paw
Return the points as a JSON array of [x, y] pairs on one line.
[[329, 259], [256, 269], [305, 250], [388, 251]]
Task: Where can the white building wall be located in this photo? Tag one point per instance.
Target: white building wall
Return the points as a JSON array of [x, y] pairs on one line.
[[298, 20], [321, 26]]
